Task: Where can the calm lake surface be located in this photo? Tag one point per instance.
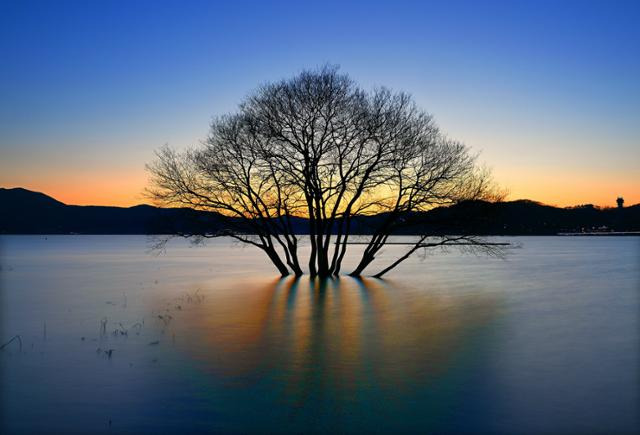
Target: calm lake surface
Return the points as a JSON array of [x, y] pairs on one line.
[[208, 339]]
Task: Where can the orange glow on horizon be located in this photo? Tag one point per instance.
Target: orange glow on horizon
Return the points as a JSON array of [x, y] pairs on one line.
[[125, 188], [120, 190], [568, 189]]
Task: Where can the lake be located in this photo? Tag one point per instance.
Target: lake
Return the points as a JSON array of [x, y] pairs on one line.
[[115, 338]]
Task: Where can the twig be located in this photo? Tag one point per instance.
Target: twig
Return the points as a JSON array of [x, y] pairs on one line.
[[9, 342]]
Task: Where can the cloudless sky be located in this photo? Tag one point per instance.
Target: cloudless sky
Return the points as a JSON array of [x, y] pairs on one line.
[[548, 92]]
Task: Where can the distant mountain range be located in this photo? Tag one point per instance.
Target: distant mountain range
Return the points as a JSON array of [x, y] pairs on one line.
[[26, 212]]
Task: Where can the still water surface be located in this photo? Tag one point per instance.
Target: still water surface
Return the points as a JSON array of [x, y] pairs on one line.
[[208, 339]]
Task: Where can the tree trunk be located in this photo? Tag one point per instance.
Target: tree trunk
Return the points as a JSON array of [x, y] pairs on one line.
[[294, 264], [312, 256], [364, 262], [343, 245], [277, 262], [323, 263], [418, 244]]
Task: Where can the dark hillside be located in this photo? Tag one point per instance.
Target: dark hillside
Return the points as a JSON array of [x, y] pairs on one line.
[[27, 212]]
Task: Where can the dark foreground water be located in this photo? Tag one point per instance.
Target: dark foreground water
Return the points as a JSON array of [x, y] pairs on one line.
[[115, 339]]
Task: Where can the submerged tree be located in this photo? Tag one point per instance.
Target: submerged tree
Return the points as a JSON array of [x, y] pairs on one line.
[[319, 147]]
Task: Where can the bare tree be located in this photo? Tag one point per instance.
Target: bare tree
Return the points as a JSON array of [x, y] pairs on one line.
[[320, 148]]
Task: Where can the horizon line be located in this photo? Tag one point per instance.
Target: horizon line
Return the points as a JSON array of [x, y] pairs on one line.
[[151, 205]]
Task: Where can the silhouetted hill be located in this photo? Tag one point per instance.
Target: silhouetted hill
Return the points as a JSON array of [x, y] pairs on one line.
[[26, 199], [27, 212], [524, 217]]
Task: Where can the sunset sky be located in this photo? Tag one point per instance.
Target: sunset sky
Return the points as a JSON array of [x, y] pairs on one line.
[[548, 92]]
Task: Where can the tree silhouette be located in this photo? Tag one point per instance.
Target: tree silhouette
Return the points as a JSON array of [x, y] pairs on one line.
[[319, 147]]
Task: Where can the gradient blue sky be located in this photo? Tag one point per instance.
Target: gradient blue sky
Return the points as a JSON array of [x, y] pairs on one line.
[[549, 92]]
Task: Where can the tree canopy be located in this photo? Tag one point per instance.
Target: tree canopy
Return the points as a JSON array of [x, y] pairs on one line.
[[317, 146]]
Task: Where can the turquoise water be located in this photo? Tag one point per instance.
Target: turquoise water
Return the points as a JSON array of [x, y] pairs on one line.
[[208, 339]]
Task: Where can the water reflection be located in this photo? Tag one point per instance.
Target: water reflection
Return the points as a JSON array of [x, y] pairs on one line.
[[544, 343], [343, 341]]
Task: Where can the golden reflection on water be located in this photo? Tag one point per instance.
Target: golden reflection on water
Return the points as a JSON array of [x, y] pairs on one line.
[[338, 334]]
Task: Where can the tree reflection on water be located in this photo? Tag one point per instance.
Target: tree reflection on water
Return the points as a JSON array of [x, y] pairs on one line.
[[338, 342]]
